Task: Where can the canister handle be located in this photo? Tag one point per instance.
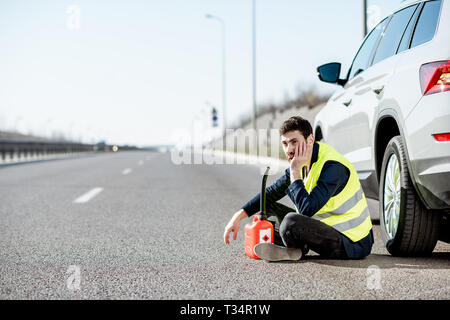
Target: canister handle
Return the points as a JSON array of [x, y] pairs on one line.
[[262, 205]]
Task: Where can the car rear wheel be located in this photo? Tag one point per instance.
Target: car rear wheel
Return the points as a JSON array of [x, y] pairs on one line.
[[407, 227]]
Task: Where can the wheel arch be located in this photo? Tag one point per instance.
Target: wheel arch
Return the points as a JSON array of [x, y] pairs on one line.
[[318, 132], [388, 126]]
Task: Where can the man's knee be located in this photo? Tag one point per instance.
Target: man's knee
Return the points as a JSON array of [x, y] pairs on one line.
[[288, 224]]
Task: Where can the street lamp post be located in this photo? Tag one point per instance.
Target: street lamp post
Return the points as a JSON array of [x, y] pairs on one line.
[[364, 16], [224, 79]]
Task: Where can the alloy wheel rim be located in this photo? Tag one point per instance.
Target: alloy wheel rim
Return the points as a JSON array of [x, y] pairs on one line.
[[392, 189]]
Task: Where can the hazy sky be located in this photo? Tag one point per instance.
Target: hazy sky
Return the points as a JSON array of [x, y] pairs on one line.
[[135, 71]]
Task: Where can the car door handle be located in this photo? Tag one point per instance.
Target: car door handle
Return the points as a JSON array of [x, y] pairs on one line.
[[378, 90], [347, 103]]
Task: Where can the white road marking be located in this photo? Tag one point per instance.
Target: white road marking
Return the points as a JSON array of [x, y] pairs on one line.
[[126, 171], [140, 162], [88, 195], [407, 265]]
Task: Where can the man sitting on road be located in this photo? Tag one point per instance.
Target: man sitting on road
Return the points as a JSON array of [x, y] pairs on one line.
[[332, 216]]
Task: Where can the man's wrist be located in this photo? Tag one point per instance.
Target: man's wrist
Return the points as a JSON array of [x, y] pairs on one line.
[[241, 214], [295, 175]]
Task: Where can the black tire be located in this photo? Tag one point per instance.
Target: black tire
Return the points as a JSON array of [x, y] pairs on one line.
[[418, 228]]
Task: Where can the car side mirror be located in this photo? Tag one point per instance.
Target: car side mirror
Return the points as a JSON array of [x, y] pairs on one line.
[[330, 73]]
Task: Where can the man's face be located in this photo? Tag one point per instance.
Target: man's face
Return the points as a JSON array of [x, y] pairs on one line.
[[291, 139]]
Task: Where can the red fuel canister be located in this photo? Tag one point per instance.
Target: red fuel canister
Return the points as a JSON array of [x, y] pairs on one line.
[[260, 230], [257, 232]]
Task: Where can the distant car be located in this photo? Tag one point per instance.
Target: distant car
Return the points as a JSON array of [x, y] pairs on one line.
[[391, 119]]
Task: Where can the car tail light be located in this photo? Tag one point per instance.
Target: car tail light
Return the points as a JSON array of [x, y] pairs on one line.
[[435, 77], [442, 136]]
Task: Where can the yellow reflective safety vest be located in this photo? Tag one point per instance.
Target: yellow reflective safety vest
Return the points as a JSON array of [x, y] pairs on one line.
[[347, 212]]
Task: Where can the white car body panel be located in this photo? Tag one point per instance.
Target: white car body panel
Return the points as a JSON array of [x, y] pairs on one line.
[[351, 129]]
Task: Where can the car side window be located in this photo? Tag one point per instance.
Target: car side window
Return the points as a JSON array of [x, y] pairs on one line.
[[393, 33], [365, 53], [426, 25], [406, 38]]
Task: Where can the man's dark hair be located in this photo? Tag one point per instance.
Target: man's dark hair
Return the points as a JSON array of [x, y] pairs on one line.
[[296, 123]]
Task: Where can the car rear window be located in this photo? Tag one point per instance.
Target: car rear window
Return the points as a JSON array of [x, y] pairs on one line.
[[393, 33], [406, 39], [426, 25]]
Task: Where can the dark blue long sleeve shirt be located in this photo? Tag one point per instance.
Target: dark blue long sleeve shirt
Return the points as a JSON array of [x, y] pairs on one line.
[[332, 180]]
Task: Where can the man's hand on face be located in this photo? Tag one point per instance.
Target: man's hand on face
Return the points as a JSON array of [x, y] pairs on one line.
[[299, 160]]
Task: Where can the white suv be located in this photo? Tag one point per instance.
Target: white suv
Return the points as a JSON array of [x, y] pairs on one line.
[[391, 119]]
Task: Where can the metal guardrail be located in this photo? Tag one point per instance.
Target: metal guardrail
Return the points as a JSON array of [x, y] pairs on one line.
[[17, 150]]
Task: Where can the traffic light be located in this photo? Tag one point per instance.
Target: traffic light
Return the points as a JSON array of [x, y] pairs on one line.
[[214, 117]]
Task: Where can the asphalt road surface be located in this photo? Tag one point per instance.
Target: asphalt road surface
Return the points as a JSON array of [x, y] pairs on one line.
[[133, 225]]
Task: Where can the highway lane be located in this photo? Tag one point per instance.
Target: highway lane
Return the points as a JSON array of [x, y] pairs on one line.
[[156, 231]]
